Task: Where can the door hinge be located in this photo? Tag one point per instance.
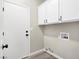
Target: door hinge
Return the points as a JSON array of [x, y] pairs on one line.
[[3, 57], [3, 9], [46, 21], [3, 33]]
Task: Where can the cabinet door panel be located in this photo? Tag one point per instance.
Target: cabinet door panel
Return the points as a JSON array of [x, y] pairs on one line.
[[52, 11], [69, 9], [41, 14]]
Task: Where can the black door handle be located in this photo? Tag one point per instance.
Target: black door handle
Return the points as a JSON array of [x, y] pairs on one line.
[[5, 46]]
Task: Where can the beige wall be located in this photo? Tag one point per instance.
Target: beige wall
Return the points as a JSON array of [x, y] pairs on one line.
[[36, 33], [68, 49]]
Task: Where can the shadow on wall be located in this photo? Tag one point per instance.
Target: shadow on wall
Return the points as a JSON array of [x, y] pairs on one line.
[[37, 39]]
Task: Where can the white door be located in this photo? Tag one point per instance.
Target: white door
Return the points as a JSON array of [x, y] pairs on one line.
[[1, 22], [16, 23], [69, 10], [52, 11]]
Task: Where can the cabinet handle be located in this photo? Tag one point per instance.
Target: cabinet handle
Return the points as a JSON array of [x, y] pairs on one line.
[[60, 18], [46, 20]]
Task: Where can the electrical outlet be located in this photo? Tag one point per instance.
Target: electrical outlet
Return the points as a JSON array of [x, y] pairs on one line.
[[46, 49], [64, 35], [50, 50]]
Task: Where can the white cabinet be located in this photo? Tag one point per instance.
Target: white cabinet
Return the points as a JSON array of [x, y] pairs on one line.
[[52, 11], [56, 11], [69, 10], [48, 12], [42, 14]]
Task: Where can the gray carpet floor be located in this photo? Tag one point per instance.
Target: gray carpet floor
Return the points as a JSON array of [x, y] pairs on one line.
[[42, 56]]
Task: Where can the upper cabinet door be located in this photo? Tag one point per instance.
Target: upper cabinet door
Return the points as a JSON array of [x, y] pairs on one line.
[[55, 11], [52, 11], [41, 14], [48, 12], [69, 10]]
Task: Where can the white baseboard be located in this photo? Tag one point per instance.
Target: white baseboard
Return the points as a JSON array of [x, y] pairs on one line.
[[55, 55], [24, 57], [37, 52], [44, 50], [34, 53]]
